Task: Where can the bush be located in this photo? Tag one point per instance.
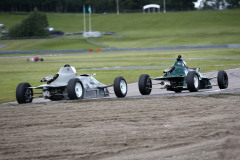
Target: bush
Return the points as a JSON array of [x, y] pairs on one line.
[[32, 26]]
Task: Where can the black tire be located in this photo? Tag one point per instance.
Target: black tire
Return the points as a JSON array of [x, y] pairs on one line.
[[145, 84], [24, 94], [222, 79], [75, 89], [193, 82], [120, 87], [178, 90], [56, 98]]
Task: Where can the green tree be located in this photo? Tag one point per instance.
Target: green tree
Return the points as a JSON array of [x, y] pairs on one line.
[[234, 3], [98, 6], [179, 5], [33, 25]]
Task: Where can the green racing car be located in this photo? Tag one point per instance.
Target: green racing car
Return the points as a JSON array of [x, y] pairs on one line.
[[179, 77]]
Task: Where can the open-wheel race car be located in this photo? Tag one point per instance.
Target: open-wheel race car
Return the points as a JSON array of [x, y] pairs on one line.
[[35, 59], [67, 85], [179, 77]]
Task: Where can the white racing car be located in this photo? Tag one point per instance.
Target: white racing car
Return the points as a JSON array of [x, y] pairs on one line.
[[67, 85]]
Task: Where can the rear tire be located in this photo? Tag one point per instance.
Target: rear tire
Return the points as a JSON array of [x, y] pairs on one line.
[[222, 79], [145, 84], [193, 82], [178, 90], [75, 89], [120, 87], [24, 94]]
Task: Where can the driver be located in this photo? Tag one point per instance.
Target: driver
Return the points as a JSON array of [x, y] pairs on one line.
[[180, 59], [74, 70]]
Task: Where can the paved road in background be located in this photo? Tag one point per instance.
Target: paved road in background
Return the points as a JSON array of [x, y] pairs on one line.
[[123, 49]]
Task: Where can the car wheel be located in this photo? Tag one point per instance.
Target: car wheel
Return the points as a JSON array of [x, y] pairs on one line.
[[222, 79], [56, 98], [75, 89], [178, 90], [120, 87], [192, 81], [145, 84], [24, 94]]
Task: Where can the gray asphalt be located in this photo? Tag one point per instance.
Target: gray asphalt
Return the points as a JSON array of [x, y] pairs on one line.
[[123, 49], [2, 45]]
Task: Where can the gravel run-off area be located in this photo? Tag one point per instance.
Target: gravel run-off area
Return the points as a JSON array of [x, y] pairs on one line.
[[180, 128]]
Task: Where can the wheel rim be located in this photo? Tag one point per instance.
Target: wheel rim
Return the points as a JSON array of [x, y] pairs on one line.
[[123, 86], [196, 81], [148, 84], [78, 90], [28, 95]]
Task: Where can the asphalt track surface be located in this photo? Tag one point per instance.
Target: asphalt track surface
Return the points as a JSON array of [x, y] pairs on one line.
[[133, 92], [122, 49]]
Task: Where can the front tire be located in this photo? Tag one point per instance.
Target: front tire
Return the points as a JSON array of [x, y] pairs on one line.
[[75, 89], [222, 79], [120, 87], [193, 82], [24, 94], [145, 84]]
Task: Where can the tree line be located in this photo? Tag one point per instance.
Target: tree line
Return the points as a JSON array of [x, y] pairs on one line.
[[98, 6]]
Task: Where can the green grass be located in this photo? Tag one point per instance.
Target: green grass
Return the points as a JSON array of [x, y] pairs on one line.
[[137, 30], [46, 44], [16, 70], [174, 29]]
